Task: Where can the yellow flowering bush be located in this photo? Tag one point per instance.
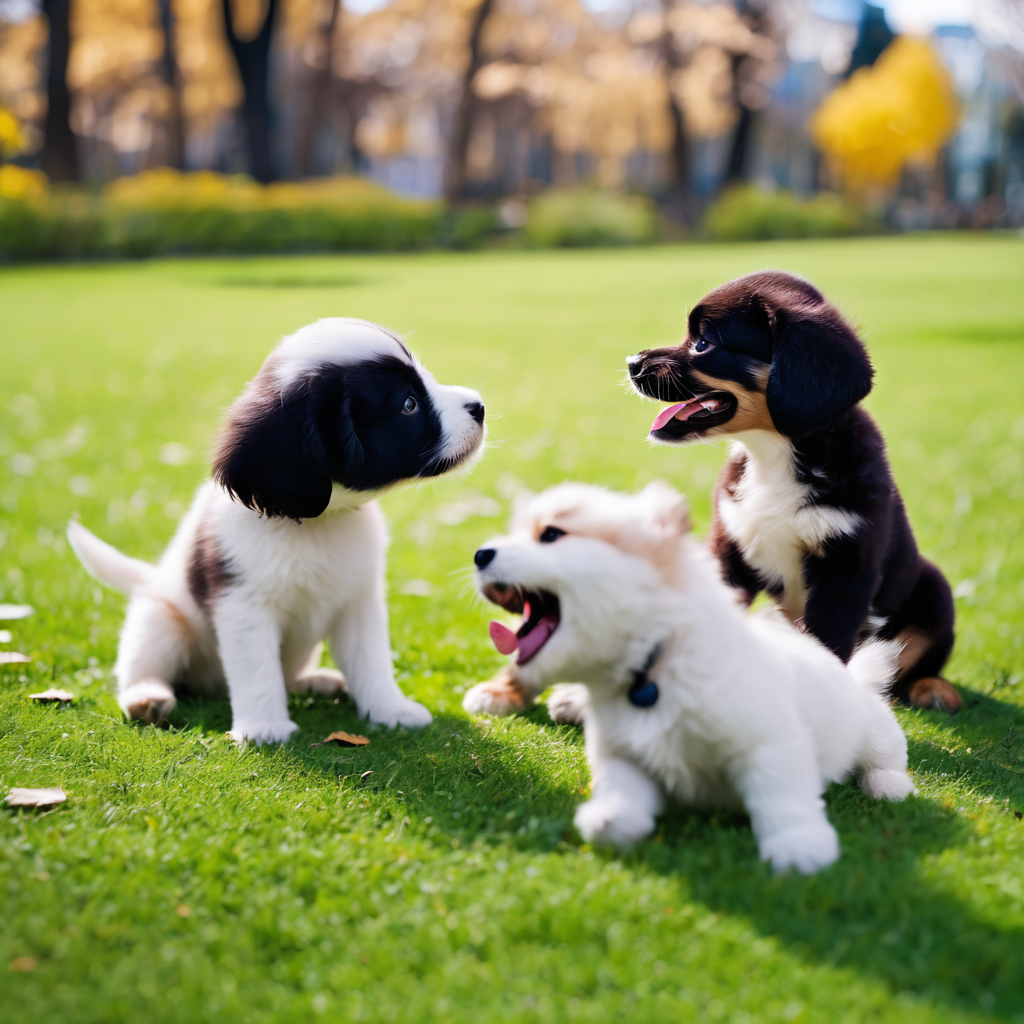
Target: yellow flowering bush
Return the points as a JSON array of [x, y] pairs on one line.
[[167, 211], [20, 183], [901, 110], [12, 135]]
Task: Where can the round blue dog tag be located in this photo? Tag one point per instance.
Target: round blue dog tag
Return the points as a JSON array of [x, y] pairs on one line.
[[644, 692]]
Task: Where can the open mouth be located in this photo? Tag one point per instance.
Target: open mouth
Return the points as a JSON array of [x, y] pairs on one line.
[[693, 416], [541, 616]]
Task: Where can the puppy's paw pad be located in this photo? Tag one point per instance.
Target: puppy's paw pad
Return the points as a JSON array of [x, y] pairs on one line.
[[612, 823], [263, 732], [566, 703], [495, 697], [934, 692], [150, 700], [408, 713], [803, 848], [887, 784], [327, 681]]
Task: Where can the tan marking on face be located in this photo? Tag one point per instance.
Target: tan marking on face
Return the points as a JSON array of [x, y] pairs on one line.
[[751, 406], [657, 542]]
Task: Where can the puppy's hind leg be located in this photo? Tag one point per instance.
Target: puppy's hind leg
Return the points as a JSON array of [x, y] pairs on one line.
[[311, 677], [883, 762], [152, 653]]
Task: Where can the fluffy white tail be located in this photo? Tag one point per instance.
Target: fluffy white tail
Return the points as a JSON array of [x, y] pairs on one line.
[[105, 563], [875, 664]]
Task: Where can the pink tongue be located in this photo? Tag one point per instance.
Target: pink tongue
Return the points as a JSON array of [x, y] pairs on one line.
[[536, 638], [679, 411], [504, 639]]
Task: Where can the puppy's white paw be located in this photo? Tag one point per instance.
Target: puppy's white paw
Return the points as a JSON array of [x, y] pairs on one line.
[[149, 700], [502, 695], [328, 681], [805, 848], [263, 732], [615, 822], [407, 713], [566, 703], [887, 784]]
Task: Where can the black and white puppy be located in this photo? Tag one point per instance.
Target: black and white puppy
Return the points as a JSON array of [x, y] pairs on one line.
[[806, 507], [285, 546]]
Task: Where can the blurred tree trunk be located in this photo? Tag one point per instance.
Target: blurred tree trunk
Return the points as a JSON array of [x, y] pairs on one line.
[[462, 126], [252, 56], [737, 163], [681, 196], [172, 77], [319, 87], [737, 167], [59, 158]]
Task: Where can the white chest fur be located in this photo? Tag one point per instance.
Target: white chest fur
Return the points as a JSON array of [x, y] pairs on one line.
[[773, 520]]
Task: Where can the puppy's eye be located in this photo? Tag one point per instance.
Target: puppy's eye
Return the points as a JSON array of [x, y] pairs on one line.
[[410, 406], [550, 535], [702, 345]]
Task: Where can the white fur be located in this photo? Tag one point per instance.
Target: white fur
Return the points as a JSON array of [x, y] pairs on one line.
[[293, 584], [772, 520], [751, 712]]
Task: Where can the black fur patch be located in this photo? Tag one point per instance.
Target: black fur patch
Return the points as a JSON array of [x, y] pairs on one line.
[[280, 452]]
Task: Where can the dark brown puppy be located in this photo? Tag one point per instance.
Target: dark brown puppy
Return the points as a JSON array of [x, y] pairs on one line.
[[805, 508]]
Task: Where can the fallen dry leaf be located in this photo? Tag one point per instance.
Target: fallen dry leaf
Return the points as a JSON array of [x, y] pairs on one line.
[[23, 963], [346, 739], [15, 611], [13, 658], [53, 695], [35, 797]]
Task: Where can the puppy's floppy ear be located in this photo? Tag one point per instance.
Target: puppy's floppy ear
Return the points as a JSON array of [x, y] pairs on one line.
[[820, 369], [270, 455], [668, 522], [669, 512]]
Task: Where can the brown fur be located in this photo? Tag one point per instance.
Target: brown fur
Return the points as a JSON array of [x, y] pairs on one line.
[[208, 571]]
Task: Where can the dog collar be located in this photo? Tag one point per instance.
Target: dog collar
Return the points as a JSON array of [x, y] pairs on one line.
[[643, 692]]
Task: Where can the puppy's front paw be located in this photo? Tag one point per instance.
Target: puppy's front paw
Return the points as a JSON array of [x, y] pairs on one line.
[[886, 784], [566, 703], [149, 700], [502, 695], [407, 713], [263, 732], [805, 848], [615, 822]]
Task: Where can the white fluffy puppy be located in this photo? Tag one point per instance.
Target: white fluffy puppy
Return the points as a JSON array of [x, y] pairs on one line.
[[686, 697], [285, 547]]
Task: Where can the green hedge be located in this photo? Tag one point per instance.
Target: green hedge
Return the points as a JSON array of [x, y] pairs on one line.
[[588, 217], [751, 213], [165, 212]]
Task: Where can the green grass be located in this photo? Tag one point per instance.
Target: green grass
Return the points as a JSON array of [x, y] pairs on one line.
[[186, 880]]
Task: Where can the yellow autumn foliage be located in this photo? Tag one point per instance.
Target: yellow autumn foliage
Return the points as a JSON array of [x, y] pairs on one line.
[[899, 111], [20, 183], [12, 135]]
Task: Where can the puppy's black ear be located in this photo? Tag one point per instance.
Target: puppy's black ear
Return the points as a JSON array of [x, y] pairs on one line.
[[345, 454], [270, 455], [820, 369]]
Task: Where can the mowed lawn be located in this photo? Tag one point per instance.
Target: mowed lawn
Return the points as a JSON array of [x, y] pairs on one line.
[[187, 880]]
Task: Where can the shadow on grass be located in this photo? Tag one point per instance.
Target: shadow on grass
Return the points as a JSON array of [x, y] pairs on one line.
[[875, 912]]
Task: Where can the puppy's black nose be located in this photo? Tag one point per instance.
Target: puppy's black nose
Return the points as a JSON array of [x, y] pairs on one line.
[[484, 557], [476, 410], [636, 365]]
